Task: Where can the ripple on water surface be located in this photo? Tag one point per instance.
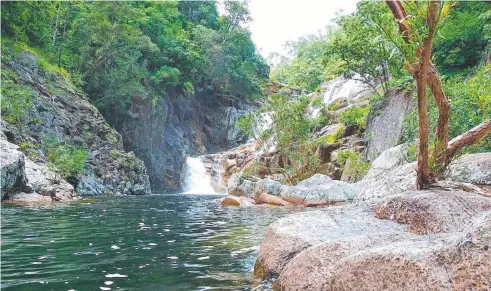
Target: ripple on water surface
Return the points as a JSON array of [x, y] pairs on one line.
[[157, 242]]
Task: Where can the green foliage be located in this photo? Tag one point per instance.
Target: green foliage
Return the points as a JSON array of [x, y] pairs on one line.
[[16, 102], [66, 157], [355, 116], [324, 118], [111, 137], [412, 152], [462, 36], [25, 146], [305, 66], [402, 82], [247, 124], [316, 101], [290, 123], [353, 163], [329, 139], [290, 130], [29, 149], [252, 170], [470, 101], [132, 53]]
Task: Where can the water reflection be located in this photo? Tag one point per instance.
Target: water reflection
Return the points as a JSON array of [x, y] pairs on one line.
[[159, 242]]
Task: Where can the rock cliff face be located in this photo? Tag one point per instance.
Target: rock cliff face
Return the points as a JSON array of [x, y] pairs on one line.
[[385, 122], [62, 113], [164, 134]]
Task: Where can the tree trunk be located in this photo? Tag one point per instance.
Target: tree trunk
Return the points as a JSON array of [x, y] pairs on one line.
[[423, 176], [426, 74], [470, 137], [441, 100]]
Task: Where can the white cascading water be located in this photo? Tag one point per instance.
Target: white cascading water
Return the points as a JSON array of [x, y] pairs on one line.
[[196, 180]]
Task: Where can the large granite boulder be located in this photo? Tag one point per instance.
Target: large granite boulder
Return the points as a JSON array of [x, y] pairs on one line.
[[315, 180], [395, 181], [12, 167], [427, 212], [384, 126], [471, 168], [371, 247], [268, 186], [246, 189], [455, 261], [317, 190], [388, 160], [323, 194], [290, 235], [26, 181], [42, 180], [341, 87]]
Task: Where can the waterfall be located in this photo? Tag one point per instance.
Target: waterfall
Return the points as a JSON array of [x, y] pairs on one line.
[[196, 180]]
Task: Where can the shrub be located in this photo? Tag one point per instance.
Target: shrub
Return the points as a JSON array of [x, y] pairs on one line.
[[66, 158], [252, 170], [16, 102], [353, 163], [470, 100], [337, 104], [329, 139], [325, 117], [246, 124], [29, 149], [317, 101], [355, 116]]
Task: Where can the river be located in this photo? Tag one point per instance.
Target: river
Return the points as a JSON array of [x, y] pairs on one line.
[[156, 242]]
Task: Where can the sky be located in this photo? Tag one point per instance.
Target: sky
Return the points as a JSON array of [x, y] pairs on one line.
[[274, 22]]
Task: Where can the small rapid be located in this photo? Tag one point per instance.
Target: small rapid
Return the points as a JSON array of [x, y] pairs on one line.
[[196, 179]]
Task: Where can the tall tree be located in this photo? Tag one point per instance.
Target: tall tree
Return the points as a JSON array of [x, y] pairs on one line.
[[417, 34]]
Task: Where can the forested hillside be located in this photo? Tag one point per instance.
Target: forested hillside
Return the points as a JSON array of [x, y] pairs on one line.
[[364, 43], [171, 77], [121, 53], [364, 46], [362, 53]]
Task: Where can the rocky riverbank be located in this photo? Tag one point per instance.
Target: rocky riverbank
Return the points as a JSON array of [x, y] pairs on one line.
[[383, 130], [56, 117], [434, 239]]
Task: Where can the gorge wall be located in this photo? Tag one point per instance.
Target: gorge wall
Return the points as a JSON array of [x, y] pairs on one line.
[[55, 110], [164, 134], [161, 134]]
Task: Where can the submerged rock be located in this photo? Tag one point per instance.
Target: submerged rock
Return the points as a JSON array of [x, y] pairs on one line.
[[237, 201]]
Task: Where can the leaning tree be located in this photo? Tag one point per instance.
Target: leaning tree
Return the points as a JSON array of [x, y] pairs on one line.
[[415, 40]]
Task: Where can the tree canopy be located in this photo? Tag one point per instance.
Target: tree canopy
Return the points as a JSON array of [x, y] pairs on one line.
[[121, 53]]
